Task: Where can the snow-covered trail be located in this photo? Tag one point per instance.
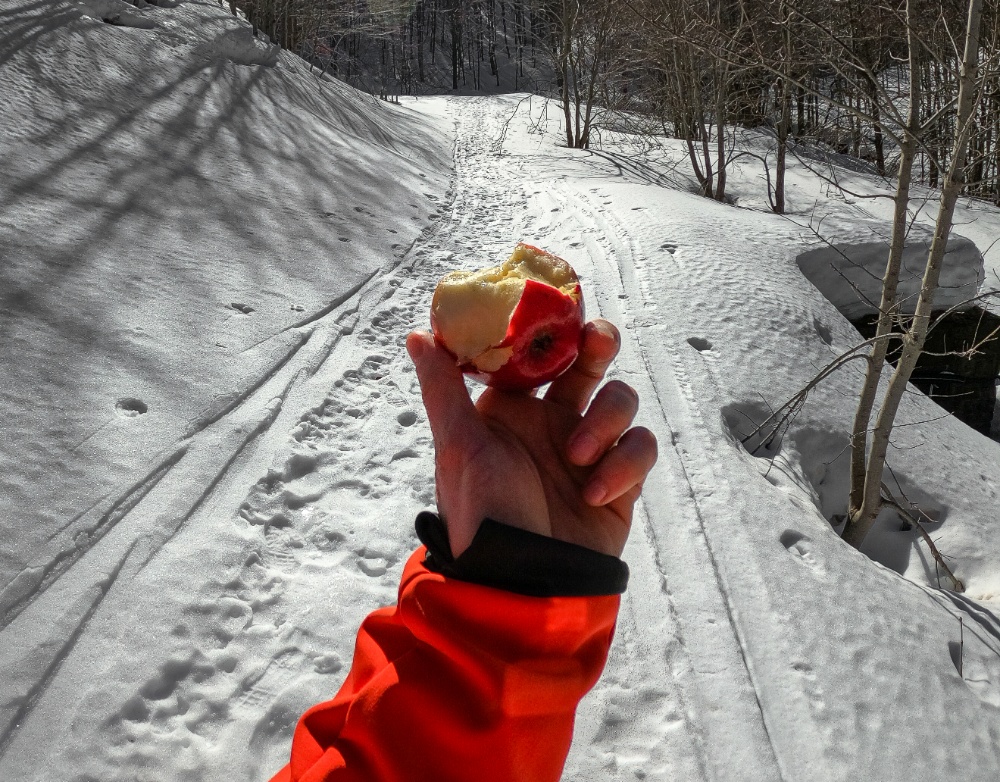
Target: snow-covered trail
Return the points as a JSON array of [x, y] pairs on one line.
[[282, 544], [222, 595]]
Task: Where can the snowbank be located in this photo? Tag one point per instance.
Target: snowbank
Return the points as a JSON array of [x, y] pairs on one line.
[[177, 200], [849, 267]]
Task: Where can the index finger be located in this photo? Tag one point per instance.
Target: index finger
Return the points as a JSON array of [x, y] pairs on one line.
[[450, 411], [600, 344]]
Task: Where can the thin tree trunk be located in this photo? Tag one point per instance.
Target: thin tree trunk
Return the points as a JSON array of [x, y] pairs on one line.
[[877, 128], [786, 113], [779, 174], [600, 50], [800, 111], [720, 128], [913, 341], [889, 305], [456, 45]]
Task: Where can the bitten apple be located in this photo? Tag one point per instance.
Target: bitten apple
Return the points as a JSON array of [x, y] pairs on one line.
[[513, 326]]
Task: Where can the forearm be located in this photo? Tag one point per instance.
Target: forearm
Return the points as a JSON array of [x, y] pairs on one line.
[[461, 678]]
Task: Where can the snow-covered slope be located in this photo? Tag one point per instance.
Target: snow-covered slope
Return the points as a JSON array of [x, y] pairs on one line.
[[221, 595], [177, 199]]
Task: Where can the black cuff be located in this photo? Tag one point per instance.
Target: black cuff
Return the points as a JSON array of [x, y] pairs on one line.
[[505, 557]]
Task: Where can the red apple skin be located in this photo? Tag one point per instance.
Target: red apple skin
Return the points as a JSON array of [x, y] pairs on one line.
[[545, 332]]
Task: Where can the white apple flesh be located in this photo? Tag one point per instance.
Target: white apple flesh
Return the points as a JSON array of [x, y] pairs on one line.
[[514, 326]]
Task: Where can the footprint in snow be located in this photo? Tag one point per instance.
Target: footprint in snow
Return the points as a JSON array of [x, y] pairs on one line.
[[385, 325], [290, 689], [800, 546], [130, 407], [184, 695], [373, 562], [700, 344]]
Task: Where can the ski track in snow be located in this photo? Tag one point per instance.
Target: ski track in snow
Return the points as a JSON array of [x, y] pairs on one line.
[[628, 296]]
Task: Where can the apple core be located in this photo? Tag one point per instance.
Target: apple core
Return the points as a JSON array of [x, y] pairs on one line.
[[517, 325]]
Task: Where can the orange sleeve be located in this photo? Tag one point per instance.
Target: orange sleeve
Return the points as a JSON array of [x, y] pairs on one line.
[[458, 681]]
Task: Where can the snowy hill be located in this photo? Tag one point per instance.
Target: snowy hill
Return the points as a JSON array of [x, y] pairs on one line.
[[172, 211], [213, 445]]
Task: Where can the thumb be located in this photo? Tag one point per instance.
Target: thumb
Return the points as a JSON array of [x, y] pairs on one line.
[[450, 410]]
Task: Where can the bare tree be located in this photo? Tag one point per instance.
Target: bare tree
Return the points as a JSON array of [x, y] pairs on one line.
[[862, 516], [586, 39], [691, 88], [837, 54], [889, 303]]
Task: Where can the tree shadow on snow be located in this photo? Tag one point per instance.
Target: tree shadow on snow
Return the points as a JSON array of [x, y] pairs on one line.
[[813, 463], [141, 167]]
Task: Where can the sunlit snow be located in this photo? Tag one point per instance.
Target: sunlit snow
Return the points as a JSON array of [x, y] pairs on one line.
[[212, 445]]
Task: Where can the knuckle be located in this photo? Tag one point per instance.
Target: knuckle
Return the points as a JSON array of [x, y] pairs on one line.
[[620, 393], [645, 443], [594, 371]]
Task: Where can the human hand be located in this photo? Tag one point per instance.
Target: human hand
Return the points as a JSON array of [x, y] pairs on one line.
[[550, 465]]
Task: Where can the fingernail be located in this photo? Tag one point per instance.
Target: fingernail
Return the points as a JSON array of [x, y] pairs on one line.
[[595, 493], [607, 329], [583, 448]]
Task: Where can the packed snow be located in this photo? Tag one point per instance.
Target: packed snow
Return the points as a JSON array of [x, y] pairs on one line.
[[213, 446]]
